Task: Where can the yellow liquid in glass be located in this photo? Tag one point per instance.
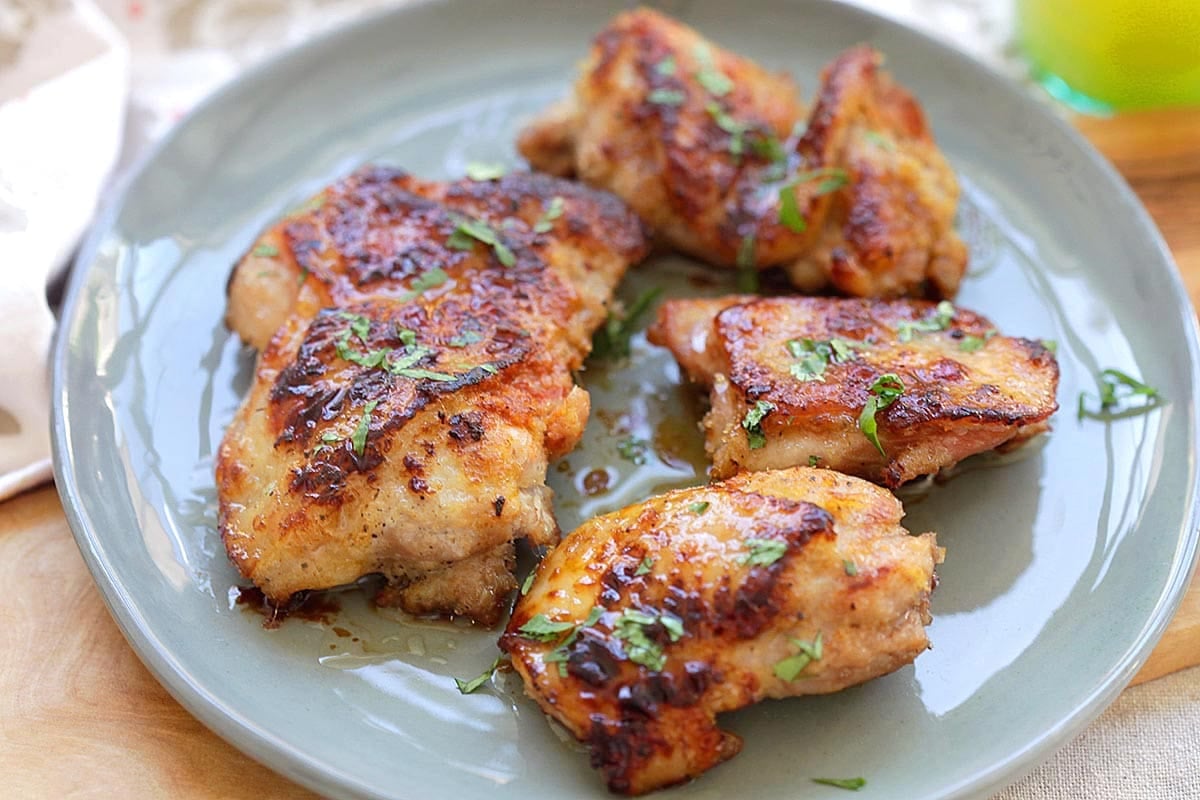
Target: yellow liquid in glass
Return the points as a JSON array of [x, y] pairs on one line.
[[1114, 54]]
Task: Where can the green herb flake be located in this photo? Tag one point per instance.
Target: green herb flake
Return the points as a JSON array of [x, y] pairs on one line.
[[633, 450], [470, 231], [329, 437], [430, 279], [752, 422], [884, 392], [814, 356], [543, 629], [465, 338], [790, 668], [789, 212], [970, 344], [714, 81], [745, 259], [943, 315], [1115, 388], [358, 440], [644, 567], [850, 567], [699, 507], [853, 784], [302, 277], [562, 652], [762, 552], [631, 629], [768, 147], [469, 687], [407, 336], [666, 66], [554, 210], [527, 584], [814, 460], [1050, 345], [265, 250], [735, 129], [880, 140], [485, 171], [666, 97], [360, 326], [613, 338]]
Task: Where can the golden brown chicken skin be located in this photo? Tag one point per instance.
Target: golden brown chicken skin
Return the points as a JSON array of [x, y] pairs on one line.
[[645, 624], [403, 413], [706, 146], [791, 378]]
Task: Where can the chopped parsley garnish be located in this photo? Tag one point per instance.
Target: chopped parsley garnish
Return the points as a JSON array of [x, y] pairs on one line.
[[831, 179], [553, 210], [480, 171], [814, 460], [407, 336], [329, 437], [735, 129], [465, 338], [633, 450], [358, 440], [790, 668], [302, 277], [470, 231], [880, 140], [468, 687], [1050, 345], [747, 275], [1116, 387], [853, 784], [850, 567], [644, 567], [631, 627], [768, 147], [884, 392], [265, 250], [528, 582], [942, 316], [752, 422], [360, 326], [699, 507], [430, 279], [612, 339], [666, 66], [814, 356], [762, 552], [666, 97], [714, 81], [561, 653], [543, 629], [969, 343]]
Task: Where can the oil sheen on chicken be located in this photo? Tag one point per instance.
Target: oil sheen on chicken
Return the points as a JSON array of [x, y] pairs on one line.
[[645, 624], [790, 377], [709, 148], [417, 341]]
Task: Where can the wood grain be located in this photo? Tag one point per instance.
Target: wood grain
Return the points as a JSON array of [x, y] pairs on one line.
[[81, 717]]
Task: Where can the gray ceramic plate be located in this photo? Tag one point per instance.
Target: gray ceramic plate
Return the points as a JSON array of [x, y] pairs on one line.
[[1063, 568]]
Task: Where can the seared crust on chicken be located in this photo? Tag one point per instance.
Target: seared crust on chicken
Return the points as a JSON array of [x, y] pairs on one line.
[[403, 414], [704, 145], [805, 367], [664, 614]]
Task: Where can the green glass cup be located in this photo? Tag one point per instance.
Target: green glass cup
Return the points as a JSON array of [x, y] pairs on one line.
[[1101, 56]]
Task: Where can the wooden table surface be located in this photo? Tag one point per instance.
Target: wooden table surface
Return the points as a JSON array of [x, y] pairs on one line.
[[81, 716]]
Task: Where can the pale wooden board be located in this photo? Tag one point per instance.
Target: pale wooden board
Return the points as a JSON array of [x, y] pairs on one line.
[[81, 717]]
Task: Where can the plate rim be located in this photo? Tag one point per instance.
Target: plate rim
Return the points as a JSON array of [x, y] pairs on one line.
[[295, 764]]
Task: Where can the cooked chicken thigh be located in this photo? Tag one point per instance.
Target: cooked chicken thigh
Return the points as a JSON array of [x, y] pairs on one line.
[[713, 152], [645, 624], [415, 378], [886, 390]]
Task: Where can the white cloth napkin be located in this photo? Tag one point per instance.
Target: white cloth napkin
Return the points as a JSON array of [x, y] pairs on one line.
[[63, 84]]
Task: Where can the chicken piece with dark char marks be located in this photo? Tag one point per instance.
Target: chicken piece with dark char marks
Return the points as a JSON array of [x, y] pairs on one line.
[[646, 623], [791, 378], [415, 377], [719, 157]]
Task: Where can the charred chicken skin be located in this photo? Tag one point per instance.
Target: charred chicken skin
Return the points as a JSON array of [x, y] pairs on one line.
[[887, 390], [645, 624], [715, 153], [417, 341]]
